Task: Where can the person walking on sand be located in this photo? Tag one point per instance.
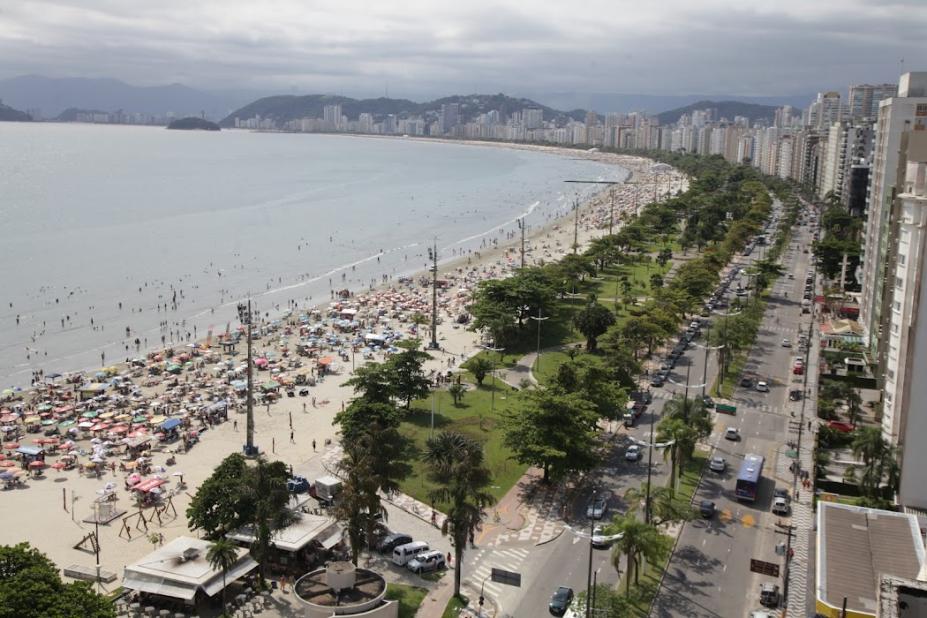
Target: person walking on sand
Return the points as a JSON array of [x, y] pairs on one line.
[[313, 446], [292, 441]]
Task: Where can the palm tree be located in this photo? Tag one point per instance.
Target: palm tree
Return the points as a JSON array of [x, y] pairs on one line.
[[663, 506], [682, 438], [222, 554], [638, 541], [854, 406], [456, 466], [456, 391]]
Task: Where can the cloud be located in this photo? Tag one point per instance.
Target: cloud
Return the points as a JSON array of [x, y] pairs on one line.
[[425, 47]]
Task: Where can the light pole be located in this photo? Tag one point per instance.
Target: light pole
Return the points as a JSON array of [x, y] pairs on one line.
[[433, 256], [589, 571], [611, 208], [521, 226], [538, 319], [492, 399], [246, 316]]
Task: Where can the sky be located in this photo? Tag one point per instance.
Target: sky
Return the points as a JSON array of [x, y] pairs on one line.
[[418, 48]]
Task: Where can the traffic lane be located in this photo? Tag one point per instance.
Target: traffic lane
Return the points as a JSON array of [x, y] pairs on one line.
[[566, 564]]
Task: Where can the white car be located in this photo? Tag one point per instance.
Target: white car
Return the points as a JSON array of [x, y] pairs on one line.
[[600, 539], [762, 387], [717, 464], [731, 433], [633, 453], [786, 343]]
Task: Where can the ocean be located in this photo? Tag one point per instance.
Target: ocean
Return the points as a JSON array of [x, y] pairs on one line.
[[164, 232]]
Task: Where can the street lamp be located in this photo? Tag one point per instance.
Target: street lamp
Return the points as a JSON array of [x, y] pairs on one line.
[[538, 319], [492, 400], [589, 571], [433, 256], [246, 316]]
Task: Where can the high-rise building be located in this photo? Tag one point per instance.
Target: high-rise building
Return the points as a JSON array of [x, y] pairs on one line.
[[331, 116], [825, 110], [864, 99], [450, 116], [905, 112], [533, 118]]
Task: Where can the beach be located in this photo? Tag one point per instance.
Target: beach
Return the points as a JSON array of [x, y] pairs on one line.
[[321, 342]]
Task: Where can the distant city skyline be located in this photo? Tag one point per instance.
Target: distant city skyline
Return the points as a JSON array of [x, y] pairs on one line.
[[420, 49]]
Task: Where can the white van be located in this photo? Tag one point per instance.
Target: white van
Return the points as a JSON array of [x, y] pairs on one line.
[[404, 553]]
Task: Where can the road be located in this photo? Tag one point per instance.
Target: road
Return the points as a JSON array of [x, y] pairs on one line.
[[565, 560], [709, 573]]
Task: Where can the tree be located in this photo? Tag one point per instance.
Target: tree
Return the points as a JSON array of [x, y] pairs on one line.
[[854, 406], [359, 505], [683, 437], [638, 541], [590, 378], [606, 603], [456, 465], [664, 507], [373, 383], [479, 366], [406, 372], [552, 430], [30, 587], [592, 321], [656, 281], [665, 255], [222, 554], [267, 503], [457, 391], [216, 507], [692, 412]]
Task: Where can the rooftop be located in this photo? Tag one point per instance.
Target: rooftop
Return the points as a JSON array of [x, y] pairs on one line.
[[314, 588], [856, 546]]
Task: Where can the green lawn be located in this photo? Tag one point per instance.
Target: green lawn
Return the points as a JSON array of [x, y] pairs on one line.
[[475, 418], [409, 597], [454, 606]]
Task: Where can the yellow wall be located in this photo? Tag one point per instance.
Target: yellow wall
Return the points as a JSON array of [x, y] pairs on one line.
[[825, 609]]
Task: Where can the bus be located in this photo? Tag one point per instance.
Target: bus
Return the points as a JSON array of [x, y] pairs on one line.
[[748, 479]]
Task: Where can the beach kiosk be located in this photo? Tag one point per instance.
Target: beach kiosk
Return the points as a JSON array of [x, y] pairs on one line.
[[180, 571]]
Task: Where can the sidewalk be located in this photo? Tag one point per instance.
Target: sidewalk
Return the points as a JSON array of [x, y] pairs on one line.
[[522, 370]]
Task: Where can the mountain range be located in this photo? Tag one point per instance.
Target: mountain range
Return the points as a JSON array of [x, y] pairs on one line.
[[52, 96], [283, 108], [7, 113], [724, 109]]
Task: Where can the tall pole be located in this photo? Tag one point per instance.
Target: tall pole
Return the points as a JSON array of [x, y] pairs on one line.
[[685, 397], [538, 319], [245, 315], [576, 227], [611, 211], [521, 226], [589, 572], [649, 471], [434, 296], [705, 366]]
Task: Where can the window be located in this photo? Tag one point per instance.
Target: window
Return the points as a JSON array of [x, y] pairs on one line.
[[902, 258], [897, 305]]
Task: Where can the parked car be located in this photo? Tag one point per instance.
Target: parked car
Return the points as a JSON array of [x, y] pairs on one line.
[[601, 540], [708, 401], [560, 601], [795, 394], [633, 453], [717, 464], [707, 509], [762, 387], [786, 343], [732, 433], [392, 541], [597, 508], [746, 382], [426, 562], [782, 492], [657, 381]]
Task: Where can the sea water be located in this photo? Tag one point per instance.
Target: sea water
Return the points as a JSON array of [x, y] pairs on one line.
[[164, 232]]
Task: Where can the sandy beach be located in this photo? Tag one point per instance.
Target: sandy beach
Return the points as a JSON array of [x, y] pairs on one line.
[[48, 510]]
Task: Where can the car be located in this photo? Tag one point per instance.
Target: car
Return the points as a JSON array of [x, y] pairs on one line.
[[762, 613], [795, 394], [769, 595], [657, 381], [707, 509], [560, 601], [426, 562], [601, 540], [746, 382], [297, 485], [392, 541], [762, 387], [786, 343], [732, 433], [708, 402], [798, 369], [597, 508], [633, 453], [717, 464], [780, 506], [782, 492]]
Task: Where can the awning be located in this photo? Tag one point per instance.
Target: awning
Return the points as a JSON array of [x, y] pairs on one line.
[[158, 585], [331, 540], [241, 569], [170, 423], [30, 451]]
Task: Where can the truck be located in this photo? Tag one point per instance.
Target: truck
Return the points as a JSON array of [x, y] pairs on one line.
[[725, 406], [326, 489], [634, 411]]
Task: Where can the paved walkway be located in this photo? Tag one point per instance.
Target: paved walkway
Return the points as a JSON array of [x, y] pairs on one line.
[[803, 503], [519, 372]]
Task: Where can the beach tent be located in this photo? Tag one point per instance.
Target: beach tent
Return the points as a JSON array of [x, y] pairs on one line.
[[171, 423]]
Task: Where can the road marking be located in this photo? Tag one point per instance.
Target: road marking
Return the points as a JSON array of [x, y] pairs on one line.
[[748, 521]]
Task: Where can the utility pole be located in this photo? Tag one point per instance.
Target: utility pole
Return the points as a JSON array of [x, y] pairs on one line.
[[245, 316], [538, 319], [788, 531], [575, 226], [521, 226], [589, 572], [433, 255], [649, 471], [611, 210]]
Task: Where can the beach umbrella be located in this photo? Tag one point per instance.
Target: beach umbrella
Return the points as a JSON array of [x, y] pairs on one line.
[[10, 446], [37, 465], [7, 463], [7, 475]]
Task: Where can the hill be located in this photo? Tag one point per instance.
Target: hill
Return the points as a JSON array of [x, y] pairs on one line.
[[192, 123], [9, 114], [54, 95], [71, 113], [283, 108], [651, 103], [725, 109]]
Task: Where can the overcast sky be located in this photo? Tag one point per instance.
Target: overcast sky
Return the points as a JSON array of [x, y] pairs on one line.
[[422, 48]]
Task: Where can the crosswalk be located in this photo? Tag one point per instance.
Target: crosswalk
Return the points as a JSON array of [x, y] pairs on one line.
[[510, 559]]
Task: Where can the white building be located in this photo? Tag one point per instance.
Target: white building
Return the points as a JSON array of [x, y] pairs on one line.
[[907, 111]]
